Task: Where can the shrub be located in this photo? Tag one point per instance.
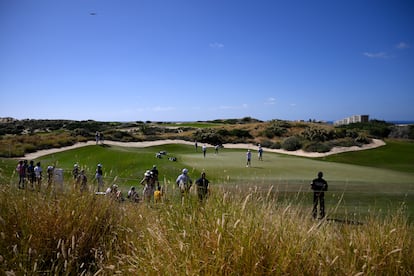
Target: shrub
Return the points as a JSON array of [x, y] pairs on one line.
[[291, 143], [317, 147], [315, 134]]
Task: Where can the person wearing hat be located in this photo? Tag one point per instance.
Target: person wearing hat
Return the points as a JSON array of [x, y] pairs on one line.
[[99, 177], [75, 171], [319, 186], [149, 185], [184, 181]]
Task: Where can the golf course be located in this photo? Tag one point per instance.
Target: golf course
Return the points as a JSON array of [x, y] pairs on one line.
[[256, 220]]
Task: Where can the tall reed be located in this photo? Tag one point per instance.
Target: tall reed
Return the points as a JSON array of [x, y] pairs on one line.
[[231, 233]]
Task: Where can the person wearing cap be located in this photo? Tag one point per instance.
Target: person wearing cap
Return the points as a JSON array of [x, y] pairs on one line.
[[75, 171], [202, 187], [319, 186], [114, 193], [184, 182], [149, 185], [99, 177]]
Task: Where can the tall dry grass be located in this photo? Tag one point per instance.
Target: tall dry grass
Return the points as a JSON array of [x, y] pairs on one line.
[[232, 233]]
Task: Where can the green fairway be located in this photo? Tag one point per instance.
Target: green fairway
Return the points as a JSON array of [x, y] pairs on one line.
[[357, 187]]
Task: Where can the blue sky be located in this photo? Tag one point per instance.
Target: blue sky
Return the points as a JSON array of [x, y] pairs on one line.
[[176, 60]]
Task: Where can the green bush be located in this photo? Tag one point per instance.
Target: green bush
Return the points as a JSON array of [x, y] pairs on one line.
[[291, 143], [317, 147]]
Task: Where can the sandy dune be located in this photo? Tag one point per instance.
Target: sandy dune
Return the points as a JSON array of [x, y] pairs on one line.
[[375, 143]]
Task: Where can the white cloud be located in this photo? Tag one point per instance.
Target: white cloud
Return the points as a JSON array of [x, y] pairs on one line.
[[243, 106], [155, 109], [376, 55], [270, 101], [402, 45], [216, 45]]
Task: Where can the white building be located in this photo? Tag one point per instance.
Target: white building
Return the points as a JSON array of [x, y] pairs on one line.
[[353, 119]]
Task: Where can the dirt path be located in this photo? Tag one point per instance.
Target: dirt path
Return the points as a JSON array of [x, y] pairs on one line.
[[375, 143]]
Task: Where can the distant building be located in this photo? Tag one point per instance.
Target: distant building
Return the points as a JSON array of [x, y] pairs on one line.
[[353, 119]]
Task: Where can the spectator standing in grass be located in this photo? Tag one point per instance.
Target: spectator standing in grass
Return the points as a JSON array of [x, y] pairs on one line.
[[38, 175], [248, 158], [216, 149], [50, 170], [202, 187], [83, 181], [260, 153], [196, 145], [149, 186], [31, 174], [133, 195], [184, 182], [319, 186], [75, 171], [204, 149], [97, 137], [21, 170], [99, 177], [155, 172]]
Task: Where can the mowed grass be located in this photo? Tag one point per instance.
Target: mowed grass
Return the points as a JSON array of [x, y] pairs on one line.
[[395, 155], [256, 220], [353, 188]]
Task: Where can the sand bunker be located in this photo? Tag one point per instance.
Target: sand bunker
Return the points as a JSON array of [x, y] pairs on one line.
[[375, 143]]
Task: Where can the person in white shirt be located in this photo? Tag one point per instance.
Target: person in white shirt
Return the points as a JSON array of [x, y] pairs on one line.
[[184, 182], [38, 175]]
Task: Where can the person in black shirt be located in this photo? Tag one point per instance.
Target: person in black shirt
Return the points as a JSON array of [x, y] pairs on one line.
[[319, 186], [202, 186]]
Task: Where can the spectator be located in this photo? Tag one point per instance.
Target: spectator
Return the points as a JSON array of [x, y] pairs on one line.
[[133, 195], [149, 186], [99, 177], [83, 181], [38, 175], [260, 153], [204, 149], [248, 158], [114, 193], [97, 137], [31, 174], [75, 171], [155, 172], [202, 187], [319, 186], [184, 182], [50, 171], [21, 170]]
